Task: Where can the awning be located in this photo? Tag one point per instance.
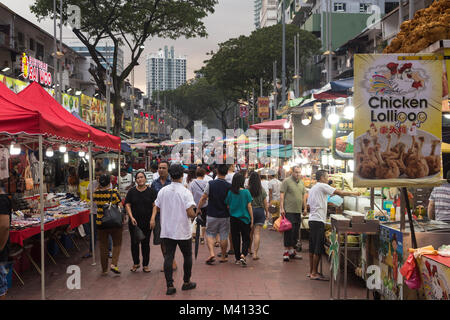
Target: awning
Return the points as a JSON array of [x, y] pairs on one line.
[[269, 125], [41, 101]]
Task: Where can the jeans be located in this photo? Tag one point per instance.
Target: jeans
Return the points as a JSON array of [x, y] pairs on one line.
[[116, 235], [145, 247], [186, 250], [87, 230], [291, 236], [4, 269], [240, 229]]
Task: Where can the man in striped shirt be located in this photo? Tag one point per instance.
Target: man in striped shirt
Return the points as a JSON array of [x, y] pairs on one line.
[[439, 204]]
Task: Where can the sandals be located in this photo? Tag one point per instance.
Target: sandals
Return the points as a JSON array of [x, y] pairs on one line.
[[210, 261], [217, 245], [320, 278], [115, 269], [135, 267], [202, 241], [146, 269]]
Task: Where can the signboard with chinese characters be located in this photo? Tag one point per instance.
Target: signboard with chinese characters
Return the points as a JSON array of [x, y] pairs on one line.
[[263, 107], [343, 141], [398, 120], [35, 70]]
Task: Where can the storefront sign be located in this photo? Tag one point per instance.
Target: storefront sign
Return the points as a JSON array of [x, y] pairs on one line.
[[93, 111], [263, 107], [13, 84], [343, 141], [35, 70], [398, 129]]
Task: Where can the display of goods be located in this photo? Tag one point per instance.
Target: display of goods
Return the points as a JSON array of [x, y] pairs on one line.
[[428, 26]]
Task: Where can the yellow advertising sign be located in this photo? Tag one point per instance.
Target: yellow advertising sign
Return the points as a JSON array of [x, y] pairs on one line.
[[93, 111], [398, 126], [263, 107], [13, 84]]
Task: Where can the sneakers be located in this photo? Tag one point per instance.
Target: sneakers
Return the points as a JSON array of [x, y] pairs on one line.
[[170, 291], [189, 286], [294, 255], [115, 269], [243, 262], [286, 256]]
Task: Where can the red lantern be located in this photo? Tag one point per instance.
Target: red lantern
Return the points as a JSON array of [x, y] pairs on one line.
[[142, 114]]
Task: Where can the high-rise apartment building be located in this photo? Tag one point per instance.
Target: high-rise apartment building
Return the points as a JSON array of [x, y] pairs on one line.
[[257, 13], [268, 16], [165, 71], [106, 51]]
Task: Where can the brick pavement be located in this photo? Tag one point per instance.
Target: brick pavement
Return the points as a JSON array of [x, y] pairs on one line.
[[267, 278]]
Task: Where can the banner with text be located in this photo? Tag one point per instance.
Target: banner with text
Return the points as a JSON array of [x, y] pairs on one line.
[[398, 120]]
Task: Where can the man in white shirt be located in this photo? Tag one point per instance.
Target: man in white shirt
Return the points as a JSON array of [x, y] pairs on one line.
[[274, 195], [176, 206], [317, 201]]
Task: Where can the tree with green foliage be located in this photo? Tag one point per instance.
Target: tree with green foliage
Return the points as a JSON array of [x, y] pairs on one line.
[[129, 23], [241, 62]]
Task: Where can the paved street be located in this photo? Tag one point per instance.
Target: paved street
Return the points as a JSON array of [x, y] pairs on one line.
[[267, 278]]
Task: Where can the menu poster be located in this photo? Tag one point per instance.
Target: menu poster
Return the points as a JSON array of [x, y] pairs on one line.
[[398, 120]]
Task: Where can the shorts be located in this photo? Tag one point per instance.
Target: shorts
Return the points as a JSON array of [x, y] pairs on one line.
[[219, 226], [3, 279], [157, 231], [259, 216], [316, 237]]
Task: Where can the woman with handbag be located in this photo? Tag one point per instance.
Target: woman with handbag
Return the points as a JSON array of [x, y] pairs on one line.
[[109, 222], [239, 200], [139, 205], [260, 211]]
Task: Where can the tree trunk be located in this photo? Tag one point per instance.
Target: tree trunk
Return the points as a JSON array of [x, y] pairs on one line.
[[118, 111]]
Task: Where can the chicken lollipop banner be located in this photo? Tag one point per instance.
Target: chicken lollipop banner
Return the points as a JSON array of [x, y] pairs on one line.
[[398, 121]]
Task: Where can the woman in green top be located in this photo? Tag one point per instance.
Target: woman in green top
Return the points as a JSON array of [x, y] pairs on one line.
[[239, 201], [260, 210]]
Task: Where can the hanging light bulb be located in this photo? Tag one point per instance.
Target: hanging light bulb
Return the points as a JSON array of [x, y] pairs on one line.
[[49, 152], [81, 153], [317, 111], [87, 156], [62, 148], [113, 165], [349, 110], [306, 119], [333, 117], [109, 167], [327, 133], [14, 149], [66, 157], [286, 124]]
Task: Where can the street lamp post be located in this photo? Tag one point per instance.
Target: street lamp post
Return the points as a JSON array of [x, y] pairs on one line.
[[132, 103], [55, 63]]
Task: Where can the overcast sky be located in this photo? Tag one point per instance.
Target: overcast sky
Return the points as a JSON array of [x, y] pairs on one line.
[[230, 19]]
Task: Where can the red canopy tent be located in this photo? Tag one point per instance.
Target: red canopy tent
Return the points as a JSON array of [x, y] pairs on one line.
[[46, 122], [270, 125], [45, 103]]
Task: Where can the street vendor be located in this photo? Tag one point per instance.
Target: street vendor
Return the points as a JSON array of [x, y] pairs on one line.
[[317, 201]]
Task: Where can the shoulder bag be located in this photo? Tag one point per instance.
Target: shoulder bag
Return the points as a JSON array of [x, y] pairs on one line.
[[112, 217]]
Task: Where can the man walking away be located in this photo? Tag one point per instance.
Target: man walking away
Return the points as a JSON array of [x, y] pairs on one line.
[[317, 200], [218, 216], [176, 206], [439, 204]]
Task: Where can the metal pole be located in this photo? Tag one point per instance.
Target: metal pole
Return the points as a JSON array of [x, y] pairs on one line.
[[411, 9], [329, 40], [157, 110], [91, 196], [297, 85], [132, 103], [149, 120], [41, 193], [55, 63], [108, 95], [274, 89], [295, 66], [283, 62], [400, 14], [60, 69]]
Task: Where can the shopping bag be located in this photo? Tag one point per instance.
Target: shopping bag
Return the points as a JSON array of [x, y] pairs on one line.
[[414, 281], [138, 235], [285, 225], [29, 184], [408, 267], [276, 224]]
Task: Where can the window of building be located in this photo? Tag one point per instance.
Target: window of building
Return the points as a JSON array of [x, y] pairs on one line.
[[39, 51], [340, 7], [364, 7], [20, 39], [31, 44], [389, 6]]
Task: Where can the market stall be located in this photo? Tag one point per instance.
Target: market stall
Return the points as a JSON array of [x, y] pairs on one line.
[[34, 120]]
